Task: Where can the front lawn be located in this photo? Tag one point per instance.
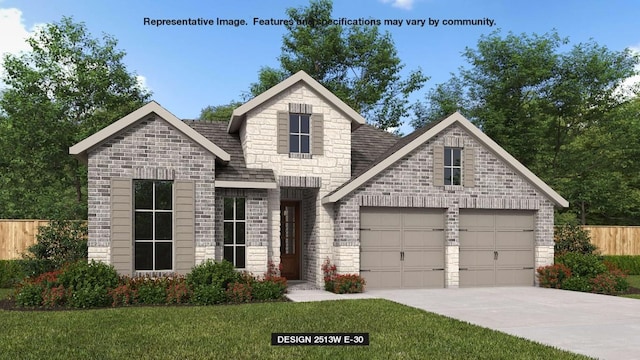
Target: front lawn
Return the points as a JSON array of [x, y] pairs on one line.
[[244, 332]]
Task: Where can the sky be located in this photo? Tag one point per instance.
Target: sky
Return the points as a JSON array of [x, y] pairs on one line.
[[190, 67]]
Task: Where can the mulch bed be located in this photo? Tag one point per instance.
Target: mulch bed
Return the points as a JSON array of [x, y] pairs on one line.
[[10, 304]]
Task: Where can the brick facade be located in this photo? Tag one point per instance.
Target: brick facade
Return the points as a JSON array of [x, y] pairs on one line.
[[149, 149], [408, 183]]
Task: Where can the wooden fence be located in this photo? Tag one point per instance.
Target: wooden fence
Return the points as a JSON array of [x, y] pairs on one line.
[[16, 236], [616, 240]]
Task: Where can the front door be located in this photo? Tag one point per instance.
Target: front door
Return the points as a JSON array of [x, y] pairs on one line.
[[290, 239]]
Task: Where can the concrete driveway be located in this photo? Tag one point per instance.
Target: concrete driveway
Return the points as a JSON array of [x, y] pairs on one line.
[[600, 326]]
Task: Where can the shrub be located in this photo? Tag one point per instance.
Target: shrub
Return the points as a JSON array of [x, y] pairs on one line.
[[123, 295], [576, 283], [341, 284], [348, 284], [11, 273], [268, 290], [610, 283], [627, 263], [582, 265], [239, 292], [572, 239], [219, 274], [89, 296], [208, 295], [55, 296], [58, 243], [329, 272], [151, 291], [552, 276], [89, 283], [29, 294], [178, 291]]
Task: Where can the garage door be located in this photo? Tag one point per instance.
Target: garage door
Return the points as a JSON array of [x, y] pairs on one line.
[[496, 247], [402, 247]]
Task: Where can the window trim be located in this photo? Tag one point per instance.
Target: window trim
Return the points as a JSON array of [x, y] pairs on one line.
[[234, 245], [300, 134], [153, 239], [452, 166]]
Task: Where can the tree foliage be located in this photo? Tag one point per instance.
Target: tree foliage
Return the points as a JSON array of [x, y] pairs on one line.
[[67, 87], [359, 64], [559, 110], [219, 112]]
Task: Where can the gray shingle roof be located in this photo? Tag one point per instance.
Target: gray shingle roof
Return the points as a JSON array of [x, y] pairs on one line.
[[236, 169], [367, 144]]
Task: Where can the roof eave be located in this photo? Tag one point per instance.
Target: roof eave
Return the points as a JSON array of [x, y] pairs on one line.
[[476, 133], [80, 149], [239, 113]]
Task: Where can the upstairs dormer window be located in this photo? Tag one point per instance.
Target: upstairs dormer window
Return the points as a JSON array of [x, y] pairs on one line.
[[299, 133]]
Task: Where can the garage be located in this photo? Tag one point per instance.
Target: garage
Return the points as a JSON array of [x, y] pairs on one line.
[[496, 247], [402, 247]]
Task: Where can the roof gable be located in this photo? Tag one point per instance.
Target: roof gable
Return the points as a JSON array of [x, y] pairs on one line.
[[80, 149], [412, 141], [238, 115]]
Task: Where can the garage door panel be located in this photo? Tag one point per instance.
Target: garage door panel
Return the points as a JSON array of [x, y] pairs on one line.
[[505, 233], [480, 277], [423, 278], [513, 277], [476, 220], [476, 240], [476, 258], [515, 258], [388, 233], [514, 220], [380, 218], [381, 279], [513, 239], [381, 239], [417, 239], [416, 260]]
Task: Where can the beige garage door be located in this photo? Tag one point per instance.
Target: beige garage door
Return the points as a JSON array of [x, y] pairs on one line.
[[496, 247], [402, 247]]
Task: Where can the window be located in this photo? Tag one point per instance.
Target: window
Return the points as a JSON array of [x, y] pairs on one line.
[[452, 166], [153, 225], [235, 226], [299, 134]]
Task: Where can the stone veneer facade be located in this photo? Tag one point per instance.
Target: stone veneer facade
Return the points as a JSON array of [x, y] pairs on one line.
[[149, 149], [408, 183], [258, 135]]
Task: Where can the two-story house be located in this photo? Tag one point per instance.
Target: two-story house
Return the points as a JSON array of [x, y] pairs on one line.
[[296, 177]]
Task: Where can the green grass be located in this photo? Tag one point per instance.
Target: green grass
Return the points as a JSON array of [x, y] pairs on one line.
[[634, 280], [244, 332], [4, 293]]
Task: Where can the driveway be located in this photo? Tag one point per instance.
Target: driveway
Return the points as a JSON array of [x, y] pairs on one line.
[[601, 326]]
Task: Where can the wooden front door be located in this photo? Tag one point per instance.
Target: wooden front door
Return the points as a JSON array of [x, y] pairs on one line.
[[290, 239]]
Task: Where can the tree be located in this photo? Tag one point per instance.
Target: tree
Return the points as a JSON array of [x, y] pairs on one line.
[[555, 111], [359, 64], [219, 112], [68, 86]]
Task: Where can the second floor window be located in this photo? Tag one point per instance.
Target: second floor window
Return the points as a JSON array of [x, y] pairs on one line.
[[299, 134], [452, 166]]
